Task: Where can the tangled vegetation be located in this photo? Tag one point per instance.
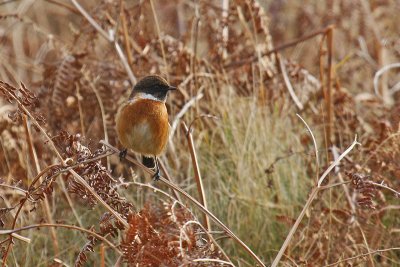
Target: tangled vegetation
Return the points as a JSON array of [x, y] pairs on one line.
[[284, 146]]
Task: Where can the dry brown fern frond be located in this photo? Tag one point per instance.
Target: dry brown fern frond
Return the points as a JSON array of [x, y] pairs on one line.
[[67, 73], [82, 258], [25, 97], [108, 227], [96, 175], [165, 235], [365, 190]]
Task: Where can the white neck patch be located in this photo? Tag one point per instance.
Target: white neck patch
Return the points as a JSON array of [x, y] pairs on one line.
[[146, 96]]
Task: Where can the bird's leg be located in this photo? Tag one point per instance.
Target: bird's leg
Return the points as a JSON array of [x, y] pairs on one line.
[[156, 175], [123, 153]]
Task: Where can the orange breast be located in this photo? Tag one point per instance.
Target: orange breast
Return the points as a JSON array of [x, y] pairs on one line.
[[142, 125]]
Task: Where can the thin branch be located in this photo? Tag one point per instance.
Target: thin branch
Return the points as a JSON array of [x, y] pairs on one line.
[[60, 262], [381, 185], [379, 73], [160, 39], [362, 255], [92, 21], [124, 61], [182, 112], [278, 48], [205, 260], [111, 245], [336, 162], [288, 83], [126, 34], [315, 144], [329, 186], [22, 238], [15, 188]]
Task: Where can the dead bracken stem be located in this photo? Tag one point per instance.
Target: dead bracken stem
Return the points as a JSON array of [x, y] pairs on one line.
[[197, 175], [153, 10], [328, 95], [315, 146], [126, 35], [278, 48], [287, 82]]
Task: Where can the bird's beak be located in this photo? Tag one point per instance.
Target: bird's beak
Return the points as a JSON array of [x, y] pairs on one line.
[[172, 88]]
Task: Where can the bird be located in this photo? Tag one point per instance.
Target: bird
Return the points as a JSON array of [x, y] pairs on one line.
[[142, 121]]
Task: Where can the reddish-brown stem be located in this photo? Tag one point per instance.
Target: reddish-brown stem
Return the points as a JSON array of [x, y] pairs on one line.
[[127, 43], [197, 175], [329, 103], [278, 48], [102, 255]]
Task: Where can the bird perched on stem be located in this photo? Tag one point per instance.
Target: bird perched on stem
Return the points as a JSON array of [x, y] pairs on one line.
[[142, 122]]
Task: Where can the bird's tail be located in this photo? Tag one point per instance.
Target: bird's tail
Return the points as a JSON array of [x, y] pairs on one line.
[[148, 162]]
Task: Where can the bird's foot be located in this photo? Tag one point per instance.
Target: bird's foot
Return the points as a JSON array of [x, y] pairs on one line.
[[156, 175], [123, 153]]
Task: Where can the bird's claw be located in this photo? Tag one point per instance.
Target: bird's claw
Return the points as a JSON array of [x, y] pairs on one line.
[[123, 153], [156, 175]]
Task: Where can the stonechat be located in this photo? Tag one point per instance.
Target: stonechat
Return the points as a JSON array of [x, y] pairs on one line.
[[142, 122]]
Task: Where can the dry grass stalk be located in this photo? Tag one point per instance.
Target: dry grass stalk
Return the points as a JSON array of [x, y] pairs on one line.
[[34, 158], [197, 175], [8, 232]]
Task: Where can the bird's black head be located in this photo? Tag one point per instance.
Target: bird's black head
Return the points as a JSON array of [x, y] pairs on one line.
[[154, 86]]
